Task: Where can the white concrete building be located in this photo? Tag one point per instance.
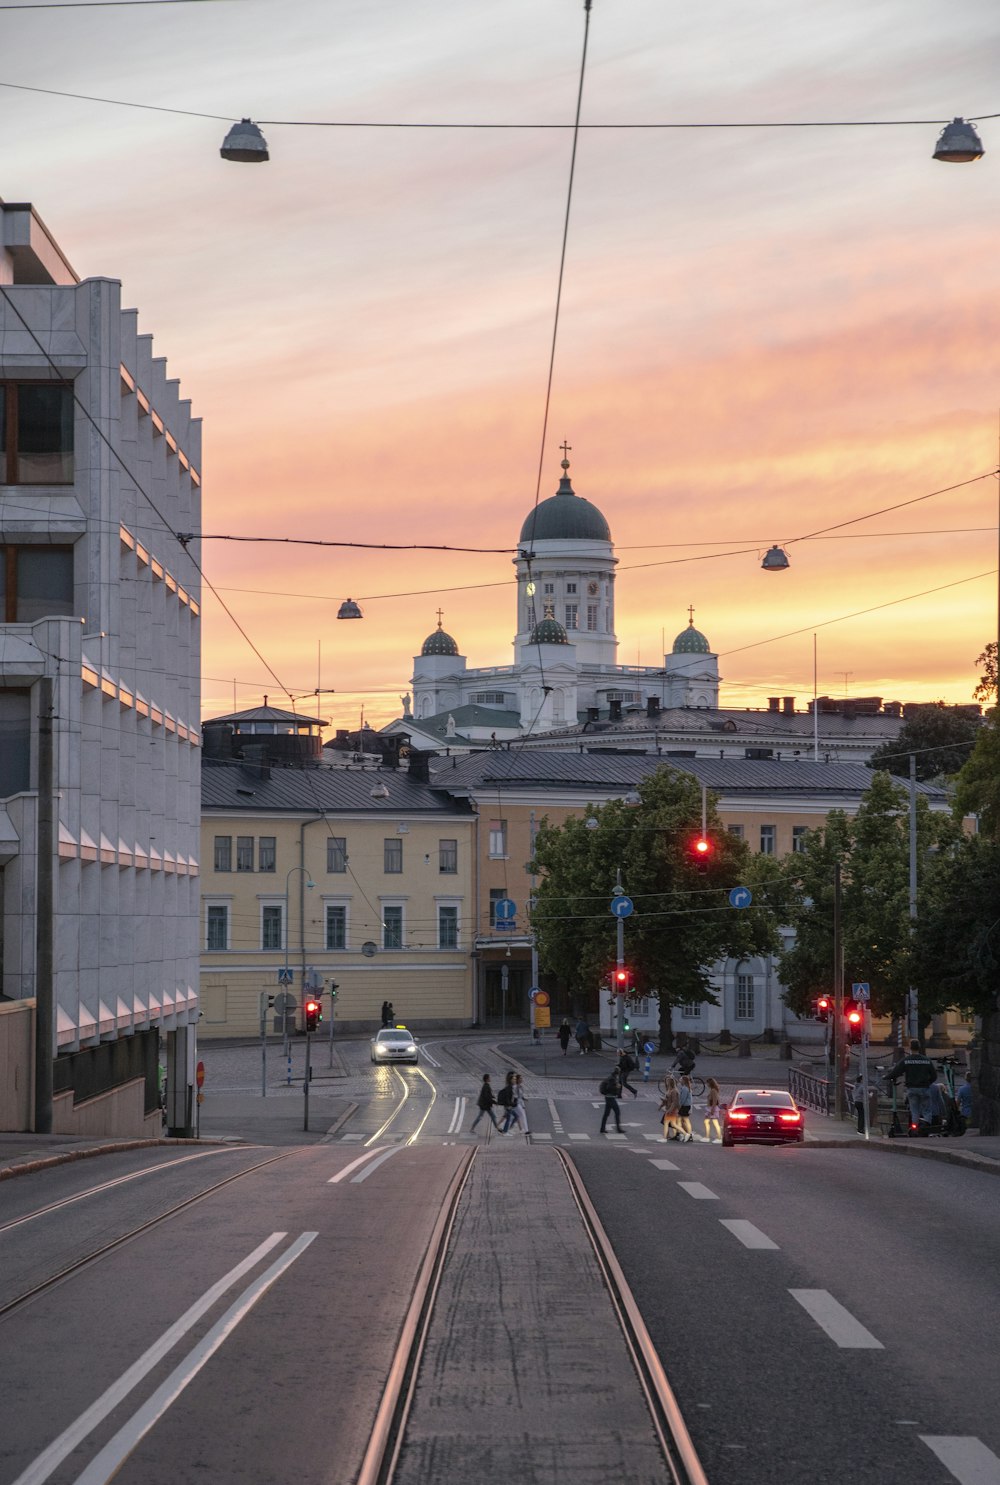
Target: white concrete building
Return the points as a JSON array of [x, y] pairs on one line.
[[99, 698]]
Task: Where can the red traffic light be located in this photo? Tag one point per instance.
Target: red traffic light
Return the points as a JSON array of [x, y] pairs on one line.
[[701, 850], [854, 1016], [824, 1005], [314, 1014], [621, 981]]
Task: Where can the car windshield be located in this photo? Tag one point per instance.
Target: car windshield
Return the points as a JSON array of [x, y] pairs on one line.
[[394, 1036], [766, 1098]]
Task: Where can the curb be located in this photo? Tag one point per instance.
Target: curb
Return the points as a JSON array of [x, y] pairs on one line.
[[971, 1160], [66, 1157]]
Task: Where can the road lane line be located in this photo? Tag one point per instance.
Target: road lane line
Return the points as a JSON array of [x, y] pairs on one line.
[[363, 1175], [749, 1236], [41, 1468], [663, 1164], [554, 1116], [697, 1190], [839, 1324], [965, 1457], [342, 1174], [110, 1459], [579, 1136], [458, 1117]]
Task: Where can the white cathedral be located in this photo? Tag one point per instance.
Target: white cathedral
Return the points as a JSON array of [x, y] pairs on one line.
[[565, 669]]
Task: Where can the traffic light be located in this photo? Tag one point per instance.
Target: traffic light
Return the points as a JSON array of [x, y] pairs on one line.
[[824, 1005], [701, 851], [626, 1023], [854, 1020], [621, 980], [334, 987], [314, 1013]]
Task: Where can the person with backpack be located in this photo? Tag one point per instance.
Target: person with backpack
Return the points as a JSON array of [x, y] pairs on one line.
[[626, 1065], [918, 1073], [611, 1087], [485, 1102], [505, 1098]]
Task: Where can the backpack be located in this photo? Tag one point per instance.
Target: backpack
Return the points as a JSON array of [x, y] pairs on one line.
[[629, 1063], [503, 1097], [608, 1087]]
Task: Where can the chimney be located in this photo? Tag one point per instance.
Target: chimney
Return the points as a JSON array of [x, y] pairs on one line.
[[788, 705], [652, 706], [773, 703], [419, 769], [593, 714], [615, 711]]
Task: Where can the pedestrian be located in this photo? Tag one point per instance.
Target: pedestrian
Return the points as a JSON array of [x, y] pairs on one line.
[[385, 1013], [858, 1097], [485, 1102], [963, 1098], [583, 1036], [713, 1106], [670, 1108], [611, 1087], [626, 1065], [518, 1113], [564, 1033], [685, 1098], [918, 1074], [392, 1015], [505, 1098]]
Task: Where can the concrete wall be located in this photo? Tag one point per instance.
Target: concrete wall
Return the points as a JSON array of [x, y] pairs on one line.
[[17, 1061]]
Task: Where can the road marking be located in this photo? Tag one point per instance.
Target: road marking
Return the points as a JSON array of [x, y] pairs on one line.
[[697, 1190], [839, 1324], [363, 1175], [346, 1138], [554, 1116], [657, 1137], [432, 1060], [41, 1468], [749, 1236], [664, 1164], [965, 1457], [579, 1136], [541, 1136], [609, 1134], [110, 1459], [458, 1117], [341, 1174]]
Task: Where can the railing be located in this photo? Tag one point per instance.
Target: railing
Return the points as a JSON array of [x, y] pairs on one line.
[[815, 1093]]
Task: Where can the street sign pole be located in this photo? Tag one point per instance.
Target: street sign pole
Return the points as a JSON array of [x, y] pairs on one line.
[[264, 998], [305, 1087], [620, 964]]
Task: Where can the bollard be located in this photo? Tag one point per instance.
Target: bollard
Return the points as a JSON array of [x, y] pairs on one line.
[[744, 1048], [646, 1068]]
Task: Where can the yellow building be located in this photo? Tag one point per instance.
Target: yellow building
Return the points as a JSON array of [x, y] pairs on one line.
[[349, 875]]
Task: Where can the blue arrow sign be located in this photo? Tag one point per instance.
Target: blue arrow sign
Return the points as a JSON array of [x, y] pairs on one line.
[[740, 897], [622, 906], [505, 911]]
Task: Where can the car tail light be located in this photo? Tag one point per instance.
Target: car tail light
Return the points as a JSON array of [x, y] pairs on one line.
[[790, 1118], [741, 1114]]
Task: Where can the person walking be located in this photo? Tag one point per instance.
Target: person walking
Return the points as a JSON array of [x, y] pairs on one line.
[[611, 1087], [485, 1102], [583, 1036], [918, 1074], [564, 1033], [685, 1098], [670, 1108], [713, 1112], [518, 1113], [386, 1014], [505, 1098], [626, 1065], [858, 1098], [963, 1097]]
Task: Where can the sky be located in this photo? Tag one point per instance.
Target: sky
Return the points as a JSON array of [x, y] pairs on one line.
[[763, 332]]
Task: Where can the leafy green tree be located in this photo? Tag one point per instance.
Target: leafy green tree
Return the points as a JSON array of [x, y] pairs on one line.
[[977, 788], [958, 956], [941, 739], [872, 849], [986, 690], [683, 922]]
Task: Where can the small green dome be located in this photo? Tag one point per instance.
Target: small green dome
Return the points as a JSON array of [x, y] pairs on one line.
[[549, 632], [439, 643], [691, 641], [565, 516]]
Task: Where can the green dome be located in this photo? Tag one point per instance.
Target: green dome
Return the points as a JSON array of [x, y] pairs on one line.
[[565, 516], [691, 641], [439, 643], [549, 632]]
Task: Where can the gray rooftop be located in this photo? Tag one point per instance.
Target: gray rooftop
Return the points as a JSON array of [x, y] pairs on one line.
[[233, 786]]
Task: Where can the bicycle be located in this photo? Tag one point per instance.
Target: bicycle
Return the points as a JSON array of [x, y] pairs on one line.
[[697, 1084]]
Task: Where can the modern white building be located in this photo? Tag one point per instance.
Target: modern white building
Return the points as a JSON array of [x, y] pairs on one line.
[[99, 703], [565, 668]]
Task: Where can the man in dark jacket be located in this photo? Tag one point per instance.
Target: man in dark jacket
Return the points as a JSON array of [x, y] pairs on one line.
[[485, 1102], [918, 1072], [611, 1087]]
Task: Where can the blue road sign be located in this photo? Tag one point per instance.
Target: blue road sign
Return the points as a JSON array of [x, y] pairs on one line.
[[505, 911], [740, 897], [622, 906], [649, 1047], [862, 990], [286, 976]]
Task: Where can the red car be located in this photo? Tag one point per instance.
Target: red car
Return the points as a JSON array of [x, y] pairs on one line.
[[768, 1115]]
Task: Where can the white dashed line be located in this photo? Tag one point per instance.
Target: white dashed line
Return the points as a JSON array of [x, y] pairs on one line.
[[967, 1458], [347, 1138], [554, 1116], [749, 1236], [697, 1190], [579, 1136], [609, 1134], [839, 1324], [664, 1165], [541, 1136]]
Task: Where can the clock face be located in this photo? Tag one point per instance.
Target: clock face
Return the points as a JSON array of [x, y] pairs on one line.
[[592, 588], [529, 589]]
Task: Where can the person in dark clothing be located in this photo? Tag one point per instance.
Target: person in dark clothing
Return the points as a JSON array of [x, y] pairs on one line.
[[564, 1033], [485, 1102], [611, 1087], [386, 1013], [918, 1073], [583, 1036], [627, 1064]]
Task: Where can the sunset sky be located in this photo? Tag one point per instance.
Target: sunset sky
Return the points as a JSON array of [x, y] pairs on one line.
[[764, 332]]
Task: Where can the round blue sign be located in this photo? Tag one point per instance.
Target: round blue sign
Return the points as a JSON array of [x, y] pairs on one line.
[[621, 906], [505, 910], [740, 897], [649, 1047]]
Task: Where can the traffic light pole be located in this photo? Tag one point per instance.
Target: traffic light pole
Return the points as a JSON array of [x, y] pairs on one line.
[[838, 1000], [619, 965], [305, 1087]]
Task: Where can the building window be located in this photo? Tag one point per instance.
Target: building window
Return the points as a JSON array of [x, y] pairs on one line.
[[217, 927], [15, 743], [572, 616], [548, 588], [267, 853], [532, 621], [447, 927], [223, 853], [36, 433], [571, 587], [744, 998], [691, 1011], [800, 834], [336, 926], [736, 830], [498, 839], [448, 857], [392, 927], [336, 853], [272, 922], [767, 840], [35, 583], [592, 617], [492, 698], [497, 894], [244, 853], [392, 856]]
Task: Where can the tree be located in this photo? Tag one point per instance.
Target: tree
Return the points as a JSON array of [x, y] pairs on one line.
[[958, 956], [873, 852], [940, 737], [977, 788], [986, 690], [683, 922]]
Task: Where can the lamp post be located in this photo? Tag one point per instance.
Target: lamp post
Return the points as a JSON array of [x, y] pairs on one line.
[[310, 884]]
